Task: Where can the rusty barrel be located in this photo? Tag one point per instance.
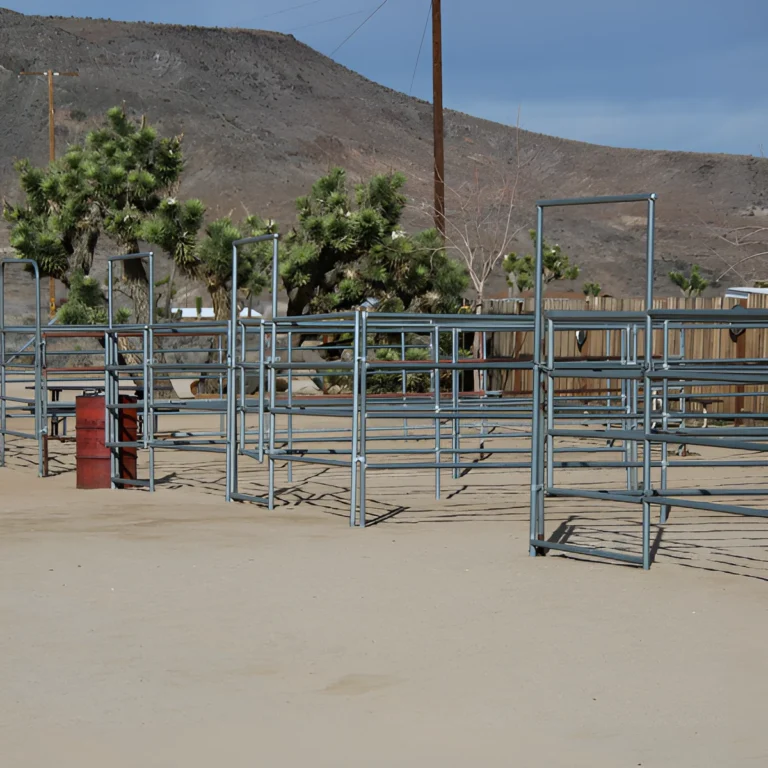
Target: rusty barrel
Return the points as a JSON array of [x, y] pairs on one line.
[[93, 465]]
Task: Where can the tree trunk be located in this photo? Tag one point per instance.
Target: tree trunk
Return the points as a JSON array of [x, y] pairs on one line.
[[169, 296], [222, 306], [298, 301], [84, 244], [135, 276], [83, 252], [477, 348], [137, 283], [220, 299]]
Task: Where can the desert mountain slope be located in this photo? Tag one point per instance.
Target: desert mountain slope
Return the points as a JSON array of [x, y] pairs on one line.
[[264, 115]]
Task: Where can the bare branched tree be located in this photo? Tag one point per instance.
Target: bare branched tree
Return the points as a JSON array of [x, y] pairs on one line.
[[481, 223], [481, 230], [752, 239], [482, 226], [742, 251]]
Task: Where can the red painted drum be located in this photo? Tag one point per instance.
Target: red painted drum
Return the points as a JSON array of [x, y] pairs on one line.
[[128, 433], [93, 466]]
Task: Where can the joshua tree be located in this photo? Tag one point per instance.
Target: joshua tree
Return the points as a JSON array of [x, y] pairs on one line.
[[690, 286]]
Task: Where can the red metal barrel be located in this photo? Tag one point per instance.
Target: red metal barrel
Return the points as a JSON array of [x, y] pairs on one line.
[[128, 433], [93, 469]]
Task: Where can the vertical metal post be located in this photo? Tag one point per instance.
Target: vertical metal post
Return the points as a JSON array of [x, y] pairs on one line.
[[3, 393], [361, 456], [110, 395], [634, 407], [355, 418], [626, 406], [664, 511], [272, 418], [222, 362], [107, 381], [40, 418], [549, 440], [110, 291], [275, 275], [108, 368], [290, 406], [231, 409], [484, 376], [741, 353], [484, 373], [149, 382], [145, 372], [149, 396], [455, 388], [648, 368], [242, 395], [41, 421], [149, 378], [537, 421], [262, 382], [404, 383], [3, 413], [52, 157], [438, 435], [608, 350], [232, 441], [683, 399]]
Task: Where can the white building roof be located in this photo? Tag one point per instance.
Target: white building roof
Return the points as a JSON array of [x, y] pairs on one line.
[[744, 292], [206, 313]]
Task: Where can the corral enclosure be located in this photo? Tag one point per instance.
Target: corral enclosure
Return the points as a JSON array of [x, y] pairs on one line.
[[602, 396]]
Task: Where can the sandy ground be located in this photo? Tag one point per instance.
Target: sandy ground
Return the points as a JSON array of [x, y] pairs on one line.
[[173, 629]]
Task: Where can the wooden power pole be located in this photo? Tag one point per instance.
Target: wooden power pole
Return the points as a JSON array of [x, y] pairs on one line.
[[50, 74], [437, 107]]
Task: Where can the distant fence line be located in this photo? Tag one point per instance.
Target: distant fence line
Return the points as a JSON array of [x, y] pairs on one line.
[[699, 344]]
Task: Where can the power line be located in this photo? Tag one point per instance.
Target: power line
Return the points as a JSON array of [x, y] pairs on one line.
[[421, 45], [326, 21], [51, 74], [292, 8], [358, 28]]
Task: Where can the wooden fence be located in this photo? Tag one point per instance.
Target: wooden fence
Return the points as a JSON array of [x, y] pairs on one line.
[[699, 344]]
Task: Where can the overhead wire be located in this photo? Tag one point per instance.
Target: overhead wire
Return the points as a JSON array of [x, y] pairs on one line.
[[421, 45], [359, 27], [325, 21], [292, 8]]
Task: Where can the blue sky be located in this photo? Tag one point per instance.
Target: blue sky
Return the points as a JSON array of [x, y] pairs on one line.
[[660, 74]]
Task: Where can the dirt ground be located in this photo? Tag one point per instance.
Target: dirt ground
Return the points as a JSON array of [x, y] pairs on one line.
[[174, 629]]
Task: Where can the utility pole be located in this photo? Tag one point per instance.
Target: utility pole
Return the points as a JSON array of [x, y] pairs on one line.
[[437, 107], [50, 74]]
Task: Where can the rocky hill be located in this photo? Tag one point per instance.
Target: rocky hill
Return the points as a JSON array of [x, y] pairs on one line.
[[264, 115]]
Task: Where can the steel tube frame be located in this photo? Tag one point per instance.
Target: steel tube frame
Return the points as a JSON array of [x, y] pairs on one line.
[[435, 415], [543, 429], [40, 399], [112, 370]]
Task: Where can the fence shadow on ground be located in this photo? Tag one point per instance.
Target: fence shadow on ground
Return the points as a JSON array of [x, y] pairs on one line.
[[715, 542]]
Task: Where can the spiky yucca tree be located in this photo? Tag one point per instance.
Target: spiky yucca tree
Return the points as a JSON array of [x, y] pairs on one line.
[[86, 304], [214, 260], [211, 262], [521, 269], [109, 186], [344, 251], [690, 286], [175, 227]]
